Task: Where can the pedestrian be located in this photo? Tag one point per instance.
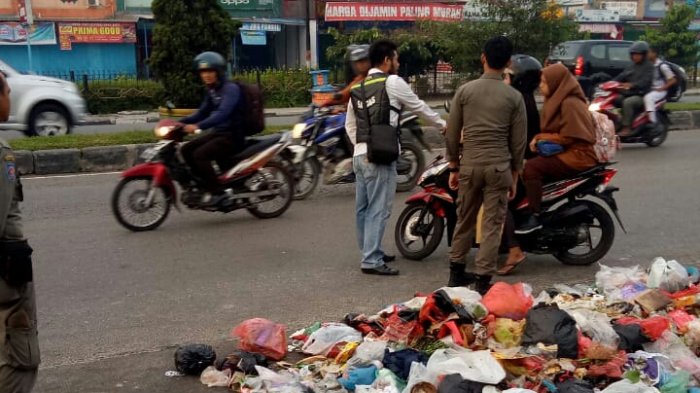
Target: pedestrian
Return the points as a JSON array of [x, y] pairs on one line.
[[664, 79], [492, 118], [375, 105], [19, 346]]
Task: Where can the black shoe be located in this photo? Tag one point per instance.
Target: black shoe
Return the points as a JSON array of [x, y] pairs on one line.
[[531, 225], [383, 270], [458, 277], [483, 284], [388, 258]]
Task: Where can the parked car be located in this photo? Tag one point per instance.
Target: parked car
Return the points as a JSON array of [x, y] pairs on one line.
[[42, 105], [597, 61]]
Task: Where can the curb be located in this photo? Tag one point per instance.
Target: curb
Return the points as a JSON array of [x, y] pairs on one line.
[[120, 157]]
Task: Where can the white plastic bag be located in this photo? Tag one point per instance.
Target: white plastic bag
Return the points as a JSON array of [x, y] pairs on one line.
[[470, 300], [611, 280], [419, 373], [215, 378], [478, 366], [368, 352], [675, 349], [668, 275], [625, 386], [596, 325], [324, 339]]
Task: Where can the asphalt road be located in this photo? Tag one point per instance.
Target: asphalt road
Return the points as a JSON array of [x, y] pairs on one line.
[[113, 304]]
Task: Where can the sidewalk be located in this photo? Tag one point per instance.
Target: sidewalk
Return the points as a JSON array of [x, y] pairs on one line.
[[140, 117]]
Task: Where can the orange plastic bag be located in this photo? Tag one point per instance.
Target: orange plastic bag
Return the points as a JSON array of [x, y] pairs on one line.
[[508, 301], [261, 336]]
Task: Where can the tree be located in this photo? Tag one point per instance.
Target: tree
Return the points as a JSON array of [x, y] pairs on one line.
[[183, 29], [673, 39]]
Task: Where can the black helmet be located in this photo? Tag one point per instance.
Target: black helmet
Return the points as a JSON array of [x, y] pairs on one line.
[[358, 52], [527, 72], [210, 61], [639, 47]]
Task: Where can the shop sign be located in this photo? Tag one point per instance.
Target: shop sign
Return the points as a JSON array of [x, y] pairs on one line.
[[346, 11], [256, 26], [95, 33], [473, 10], [13, 33], [626, 9], [254, 37], [248, 5], [599, 16]]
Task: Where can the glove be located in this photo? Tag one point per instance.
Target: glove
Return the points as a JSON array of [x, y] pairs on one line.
[[16, 262]]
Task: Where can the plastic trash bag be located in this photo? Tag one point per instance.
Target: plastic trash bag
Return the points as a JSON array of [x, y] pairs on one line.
[[670, 276], [676, 383], [597, 326], [575, 386], [243, 361], [388, 381], [368, 352], [192, 359], [262, 336], [550, 325], [611, 280], [625, 386], [400, 361], [215, 378], [359, 376], [508, 332], [509, 301], [419, 374], [675, 349], [478, 366], [465, 299], [322, 341], [454, 383]]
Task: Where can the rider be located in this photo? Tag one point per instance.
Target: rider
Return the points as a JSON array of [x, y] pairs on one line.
[[636, 82], [221, 112], [664, 79], [359, 58]]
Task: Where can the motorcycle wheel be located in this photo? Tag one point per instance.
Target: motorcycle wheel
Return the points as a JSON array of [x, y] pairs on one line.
[[129, 209], [604, 223], [658, 140], [406, 181], [426, 235], [273, 174], [307, 180]]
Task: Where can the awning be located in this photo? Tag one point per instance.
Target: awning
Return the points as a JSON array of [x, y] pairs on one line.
[[599, 28]]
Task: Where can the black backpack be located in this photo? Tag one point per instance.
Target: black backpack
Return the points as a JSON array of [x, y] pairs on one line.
[[252, 109], [681, 79]]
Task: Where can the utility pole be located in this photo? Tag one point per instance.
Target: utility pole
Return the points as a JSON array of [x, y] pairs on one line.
[[26, 19], [307, 5]]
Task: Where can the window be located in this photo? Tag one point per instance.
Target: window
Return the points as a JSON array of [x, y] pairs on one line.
[[566, 51], [619, 53], [598, 51]]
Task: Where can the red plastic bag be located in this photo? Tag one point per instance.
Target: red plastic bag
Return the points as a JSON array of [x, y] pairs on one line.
[[653, 327], [508, 301], [261, 336], [681, 319]]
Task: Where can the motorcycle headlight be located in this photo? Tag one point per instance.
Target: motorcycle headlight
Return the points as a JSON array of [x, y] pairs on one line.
[[298, 130], [162, 132], [595, 107]]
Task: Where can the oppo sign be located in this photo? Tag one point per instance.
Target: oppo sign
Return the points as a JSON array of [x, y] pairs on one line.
[[235, 2]]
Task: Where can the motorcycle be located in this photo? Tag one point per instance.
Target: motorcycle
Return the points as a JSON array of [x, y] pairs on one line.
[[321, 144], [643, 130], [253, 179], [569, 216]]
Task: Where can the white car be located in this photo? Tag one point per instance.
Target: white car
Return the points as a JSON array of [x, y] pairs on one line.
[[42, 106]]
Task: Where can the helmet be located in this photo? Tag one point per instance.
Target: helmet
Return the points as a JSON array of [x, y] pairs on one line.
[[639, 47], [527, 72], [210, 61], [358, 52]]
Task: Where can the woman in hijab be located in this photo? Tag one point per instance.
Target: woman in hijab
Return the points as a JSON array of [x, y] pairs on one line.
[[565, 145]]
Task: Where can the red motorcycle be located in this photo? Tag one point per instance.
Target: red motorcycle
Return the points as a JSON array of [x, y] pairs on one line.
[[253, 179], [607, 101], [576, 230]]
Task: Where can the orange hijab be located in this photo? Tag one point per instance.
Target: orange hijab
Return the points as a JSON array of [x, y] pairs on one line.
[[574, 122]]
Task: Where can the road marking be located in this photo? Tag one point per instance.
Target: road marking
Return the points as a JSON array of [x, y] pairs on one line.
[[68, 176]]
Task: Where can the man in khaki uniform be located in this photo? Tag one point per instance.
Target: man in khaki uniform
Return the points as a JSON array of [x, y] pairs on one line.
[[491, 118], [19, 349]]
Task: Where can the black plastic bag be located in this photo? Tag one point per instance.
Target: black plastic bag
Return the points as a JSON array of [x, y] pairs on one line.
[[242, 361], [454, 383], [631, 337], [192, 359], [550, 325], [399, 362], [575, 386]]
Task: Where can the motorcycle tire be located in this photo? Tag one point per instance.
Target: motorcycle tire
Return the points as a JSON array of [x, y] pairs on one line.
[[607, 227], [119, 215], [407, 218], [410, 181], [312, 168], [289, 183], [659, 139]]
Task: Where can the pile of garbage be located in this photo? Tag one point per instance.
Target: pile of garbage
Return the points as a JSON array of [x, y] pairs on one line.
[[634, 331]]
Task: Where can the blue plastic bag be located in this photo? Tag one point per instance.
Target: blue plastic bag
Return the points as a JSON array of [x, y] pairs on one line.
[[548, 149], [359, 376]]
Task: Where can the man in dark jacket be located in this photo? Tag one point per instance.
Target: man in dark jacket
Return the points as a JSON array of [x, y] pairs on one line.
[[220, 112], [637, 80]]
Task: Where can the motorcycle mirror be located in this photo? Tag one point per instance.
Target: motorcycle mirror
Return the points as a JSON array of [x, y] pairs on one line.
[[169, 104], [447, 106]]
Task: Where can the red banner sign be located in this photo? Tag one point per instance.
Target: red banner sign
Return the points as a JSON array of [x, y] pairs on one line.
[[96, 33], [337, 12]]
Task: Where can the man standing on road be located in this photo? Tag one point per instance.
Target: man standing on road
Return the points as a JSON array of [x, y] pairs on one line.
[[19, 346], [492, 117], [381, 96]]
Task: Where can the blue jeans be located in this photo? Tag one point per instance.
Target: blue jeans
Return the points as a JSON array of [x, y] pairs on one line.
[[374, 198]]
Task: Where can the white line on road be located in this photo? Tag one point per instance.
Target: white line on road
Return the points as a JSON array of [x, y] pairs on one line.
[[68, 176]]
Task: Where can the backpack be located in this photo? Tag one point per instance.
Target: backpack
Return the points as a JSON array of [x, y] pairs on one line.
[[607, 142], [253, 108], [681, 79]]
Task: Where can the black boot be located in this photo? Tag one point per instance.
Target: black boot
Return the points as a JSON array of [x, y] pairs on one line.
[[483, 284], [458, 277]]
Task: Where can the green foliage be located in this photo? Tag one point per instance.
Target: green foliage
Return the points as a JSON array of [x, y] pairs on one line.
[[183, 29], [281, 88], [673, 39], [122, 95]]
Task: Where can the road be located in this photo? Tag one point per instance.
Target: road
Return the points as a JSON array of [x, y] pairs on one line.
[[113, 304]]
